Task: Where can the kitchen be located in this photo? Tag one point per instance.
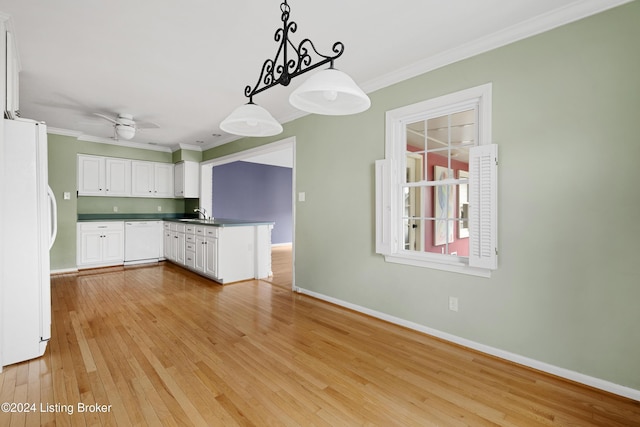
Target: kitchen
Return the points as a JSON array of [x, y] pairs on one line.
[[566, 310]]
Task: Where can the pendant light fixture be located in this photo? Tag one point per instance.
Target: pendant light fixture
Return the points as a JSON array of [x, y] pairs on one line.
[[329, 92]]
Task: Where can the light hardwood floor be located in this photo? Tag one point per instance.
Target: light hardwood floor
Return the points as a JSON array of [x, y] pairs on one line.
[[163, 346]]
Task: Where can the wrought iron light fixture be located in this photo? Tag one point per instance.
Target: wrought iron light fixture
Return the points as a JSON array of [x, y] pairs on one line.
[[329, 91]]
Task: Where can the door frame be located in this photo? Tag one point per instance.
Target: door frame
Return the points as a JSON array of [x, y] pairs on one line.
[[206, 183]]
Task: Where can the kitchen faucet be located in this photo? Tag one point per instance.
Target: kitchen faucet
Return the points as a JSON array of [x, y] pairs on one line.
[[202, 211]]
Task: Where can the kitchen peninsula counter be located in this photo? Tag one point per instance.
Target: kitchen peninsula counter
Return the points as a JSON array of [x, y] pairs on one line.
[[223, 249]]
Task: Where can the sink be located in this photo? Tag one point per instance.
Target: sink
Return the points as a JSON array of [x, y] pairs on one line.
[[198, 221]]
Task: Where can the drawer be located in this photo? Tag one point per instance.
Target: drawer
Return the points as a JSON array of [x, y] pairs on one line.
[[189, 228], [105, 226], [190, 247], [190, 238], [211, 231], [190, 259], [167, 225]]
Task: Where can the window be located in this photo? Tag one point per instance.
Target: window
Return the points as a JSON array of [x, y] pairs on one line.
[[436, 188]]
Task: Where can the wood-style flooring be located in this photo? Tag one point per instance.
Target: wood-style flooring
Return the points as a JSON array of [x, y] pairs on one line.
[[160, 346]]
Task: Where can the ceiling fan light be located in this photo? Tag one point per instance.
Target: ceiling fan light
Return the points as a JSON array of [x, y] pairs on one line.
[[251, 120], [125, 132], [330, 92]]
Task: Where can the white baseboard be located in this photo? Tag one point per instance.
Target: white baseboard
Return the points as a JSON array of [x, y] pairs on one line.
[[512, 357], [64, 270]]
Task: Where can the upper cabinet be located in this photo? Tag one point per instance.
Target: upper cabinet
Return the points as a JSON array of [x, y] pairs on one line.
[[103, 176], [115, 177], [91, 175], [151, 179], [187, 180]]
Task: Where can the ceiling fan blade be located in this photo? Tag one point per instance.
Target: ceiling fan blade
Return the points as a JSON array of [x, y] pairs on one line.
[[106, 118], [146, 125]]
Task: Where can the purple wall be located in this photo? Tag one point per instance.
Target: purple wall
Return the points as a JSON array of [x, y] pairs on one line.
[[243, 190]]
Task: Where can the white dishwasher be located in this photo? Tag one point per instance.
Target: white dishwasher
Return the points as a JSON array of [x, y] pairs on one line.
[[142, 241]]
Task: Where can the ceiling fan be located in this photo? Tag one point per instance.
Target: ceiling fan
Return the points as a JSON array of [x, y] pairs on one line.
[[125, 127]]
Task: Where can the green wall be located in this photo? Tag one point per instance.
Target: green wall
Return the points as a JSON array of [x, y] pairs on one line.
[[63, 151], [565, 109], [191, 155]]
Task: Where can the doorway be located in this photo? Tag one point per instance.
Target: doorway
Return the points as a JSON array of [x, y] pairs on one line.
[[280, 153]]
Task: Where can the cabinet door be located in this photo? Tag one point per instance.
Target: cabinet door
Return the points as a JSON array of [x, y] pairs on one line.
[[187, 179], [211, 261], [178, 179], [90, 247], [201, 250], [180, 249], [113, 246], [163, 180], [91, 175], [118, 177], [168, 244], [142, 177]]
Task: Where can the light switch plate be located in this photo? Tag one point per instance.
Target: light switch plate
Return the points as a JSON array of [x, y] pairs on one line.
[[301, 196], [66, 195]]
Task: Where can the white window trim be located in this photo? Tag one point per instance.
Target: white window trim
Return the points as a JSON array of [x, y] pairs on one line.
[[388, 175]]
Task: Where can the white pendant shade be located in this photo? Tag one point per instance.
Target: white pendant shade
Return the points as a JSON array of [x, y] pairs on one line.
[[251, 120], [330, 92]]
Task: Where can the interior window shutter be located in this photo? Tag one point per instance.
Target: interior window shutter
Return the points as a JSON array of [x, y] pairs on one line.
[[483, 206], [383, 207]]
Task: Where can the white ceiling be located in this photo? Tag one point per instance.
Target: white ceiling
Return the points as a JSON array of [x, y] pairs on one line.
[[184, 64]]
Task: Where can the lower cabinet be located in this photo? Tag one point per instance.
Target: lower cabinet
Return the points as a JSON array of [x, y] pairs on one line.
[[100, 244], [206, 252], [224, 254]]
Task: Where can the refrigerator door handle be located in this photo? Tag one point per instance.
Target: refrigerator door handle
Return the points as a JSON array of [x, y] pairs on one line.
[[53, 216]]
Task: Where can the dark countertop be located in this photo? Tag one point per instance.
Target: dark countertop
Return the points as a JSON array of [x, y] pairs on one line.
[[179, 218], [221, 222]]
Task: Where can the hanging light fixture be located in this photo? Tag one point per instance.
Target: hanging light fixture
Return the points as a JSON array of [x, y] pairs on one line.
[[329, 92]]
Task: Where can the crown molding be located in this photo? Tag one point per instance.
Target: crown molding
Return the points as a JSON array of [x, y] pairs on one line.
[[528, 28], [63, 132], [140, 145], [90, 138], [190, 147]]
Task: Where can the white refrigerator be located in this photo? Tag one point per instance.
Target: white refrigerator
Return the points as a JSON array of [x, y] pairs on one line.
[[28, 231]]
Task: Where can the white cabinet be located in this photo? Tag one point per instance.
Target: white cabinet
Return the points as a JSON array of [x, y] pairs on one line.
[[206, 251], [187, 179], [211, 257], [169, 243], [117, 177], [163, 175], [103, 176], [151, 179], [91, 175], [100, 244], [224, 254]]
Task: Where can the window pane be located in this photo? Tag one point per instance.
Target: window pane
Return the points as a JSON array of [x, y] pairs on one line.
[[414, 167], [435, 216], [416, 137], [463, 128]]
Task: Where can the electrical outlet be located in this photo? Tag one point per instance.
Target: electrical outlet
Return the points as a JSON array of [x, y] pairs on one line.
[[159, 208], [115, 209], [453, 303]]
